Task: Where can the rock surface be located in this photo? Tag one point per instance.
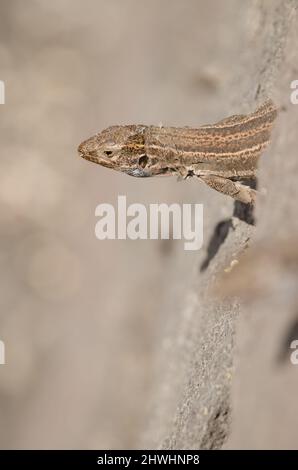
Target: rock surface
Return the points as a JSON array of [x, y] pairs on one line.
[[123, 344]]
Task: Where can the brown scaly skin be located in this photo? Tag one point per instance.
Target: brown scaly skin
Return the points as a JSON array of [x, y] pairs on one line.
[[222, 154]]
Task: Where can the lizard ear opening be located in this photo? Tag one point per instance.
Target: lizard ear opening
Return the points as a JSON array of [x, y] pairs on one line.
[[143, 160]]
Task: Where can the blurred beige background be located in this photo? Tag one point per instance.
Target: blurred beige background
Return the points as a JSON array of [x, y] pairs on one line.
[[83, 321], [80, 318]]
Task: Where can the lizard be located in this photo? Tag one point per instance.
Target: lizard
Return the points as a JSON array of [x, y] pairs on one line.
[[223, 155]]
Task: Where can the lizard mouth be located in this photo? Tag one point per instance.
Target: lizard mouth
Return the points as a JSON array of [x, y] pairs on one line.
[[105, 162], [100, 161]]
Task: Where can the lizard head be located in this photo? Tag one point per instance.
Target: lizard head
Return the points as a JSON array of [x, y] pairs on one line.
[[120, 148]]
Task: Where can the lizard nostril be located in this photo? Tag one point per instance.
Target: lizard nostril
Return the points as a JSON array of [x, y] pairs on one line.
[[143, 160]]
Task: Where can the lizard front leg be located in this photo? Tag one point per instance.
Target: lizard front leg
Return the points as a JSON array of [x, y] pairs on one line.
[[235, 189]]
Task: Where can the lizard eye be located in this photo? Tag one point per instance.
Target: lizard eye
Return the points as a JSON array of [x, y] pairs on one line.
[[108, 153], [143, 160]]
